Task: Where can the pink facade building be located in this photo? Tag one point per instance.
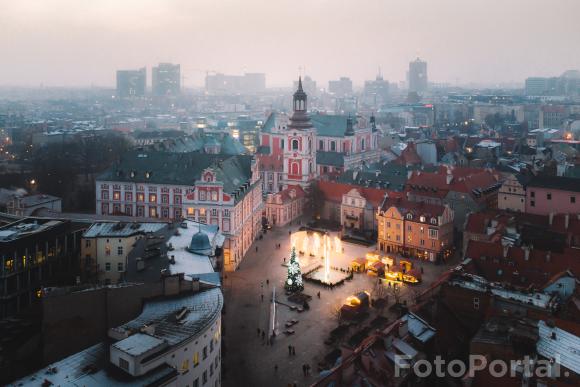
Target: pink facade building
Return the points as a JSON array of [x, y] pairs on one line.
[[553, 195], [213, 189]]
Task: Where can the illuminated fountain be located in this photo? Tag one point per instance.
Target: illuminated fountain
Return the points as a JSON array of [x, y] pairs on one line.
[[318, 246]]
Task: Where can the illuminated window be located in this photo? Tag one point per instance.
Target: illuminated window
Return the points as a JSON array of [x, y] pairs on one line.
[[195, 359], [214, 196], [116, 195], [185, 365], [190, 211], [152, 198], [140, 197]]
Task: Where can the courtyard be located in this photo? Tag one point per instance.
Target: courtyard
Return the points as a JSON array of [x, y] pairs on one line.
[[251, 361]]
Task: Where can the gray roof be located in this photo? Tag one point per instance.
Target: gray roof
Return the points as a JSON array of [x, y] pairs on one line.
[[391, 175], [179, 169], [91, 368], [203, 308], [120, 229], [564, 346], [336, 159], [556, 182], [138, 344]]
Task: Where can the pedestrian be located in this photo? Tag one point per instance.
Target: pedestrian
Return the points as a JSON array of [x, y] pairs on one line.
[[275, 367], [289, 350], [256, 249], [421, 269], [284, 259], [263, 335], [262, 298], [258, 332], [318, 294], [267, 282], [304, 369]]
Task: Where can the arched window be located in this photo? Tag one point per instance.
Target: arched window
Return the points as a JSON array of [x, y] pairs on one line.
[[321, 145], [333, 146], [294, 144]]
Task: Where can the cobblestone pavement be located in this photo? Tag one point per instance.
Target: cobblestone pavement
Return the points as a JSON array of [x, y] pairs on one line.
[[248, 360]]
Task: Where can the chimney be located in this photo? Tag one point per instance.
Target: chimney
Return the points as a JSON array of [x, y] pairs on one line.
[[526, 253], [551, 218], [449, 178], [566, 221]]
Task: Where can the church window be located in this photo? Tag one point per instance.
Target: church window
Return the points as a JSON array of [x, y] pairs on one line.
[[294, 144]]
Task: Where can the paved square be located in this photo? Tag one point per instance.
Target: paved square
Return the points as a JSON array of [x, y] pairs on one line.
[[248, 360]]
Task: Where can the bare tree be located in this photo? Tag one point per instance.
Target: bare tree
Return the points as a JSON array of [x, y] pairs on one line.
[[395, 291], [336, 312]]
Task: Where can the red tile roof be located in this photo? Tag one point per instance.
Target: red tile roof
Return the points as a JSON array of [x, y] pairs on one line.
[[463, 180], [333, 192], [417, 208], [409, 156], [537, 270]]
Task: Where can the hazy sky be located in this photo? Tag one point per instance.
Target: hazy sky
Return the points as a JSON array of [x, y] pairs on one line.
[[83, 42]]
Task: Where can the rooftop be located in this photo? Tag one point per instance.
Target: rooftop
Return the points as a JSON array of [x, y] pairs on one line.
[[121, 229]]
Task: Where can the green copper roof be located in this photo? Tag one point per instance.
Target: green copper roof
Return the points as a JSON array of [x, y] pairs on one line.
[[334, 159]]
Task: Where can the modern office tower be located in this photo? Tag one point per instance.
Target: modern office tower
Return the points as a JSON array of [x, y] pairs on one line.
[[131, 83], [377, 91], [418, 76], [340, 87], [166, 79]]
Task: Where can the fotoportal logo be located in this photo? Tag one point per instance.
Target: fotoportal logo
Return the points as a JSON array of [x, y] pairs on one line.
[[497, 368]]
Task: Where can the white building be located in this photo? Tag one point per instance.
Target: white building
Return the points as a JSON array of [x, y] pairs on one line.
[[220, 190], [175, 341]]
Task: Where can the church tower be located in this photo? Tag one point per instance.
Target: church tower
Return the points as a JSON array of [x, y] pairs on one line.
[[299, 149]]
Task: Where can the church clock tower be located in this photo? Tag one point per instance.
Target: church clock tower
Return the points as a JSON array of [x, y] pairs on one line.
[[299, 144]]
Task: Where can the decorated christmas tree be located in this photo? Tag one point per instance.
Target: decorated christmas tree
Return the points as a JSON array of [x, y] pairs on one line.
[[294, 280]]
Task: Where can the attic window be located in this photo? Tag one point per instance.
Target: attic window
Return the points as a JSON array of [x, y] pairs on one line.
[[409, 216], [433, 220], [132, 173], [422, 219], [147, 175]]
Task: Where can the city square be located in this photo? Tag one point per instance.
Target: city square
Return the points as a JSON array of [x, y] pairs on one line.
[[250, 358]]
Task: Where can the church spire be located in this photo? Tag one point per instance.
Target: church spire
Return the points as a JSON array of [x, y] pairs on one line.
[[299, 119]]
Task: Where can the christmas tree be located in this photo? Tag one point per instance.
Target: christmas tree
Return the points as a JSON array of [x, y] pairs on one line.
[[294, 280]]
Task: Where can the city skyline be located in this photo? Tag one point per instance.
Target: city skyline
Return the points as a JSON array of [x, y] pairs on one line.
[[89, 42]]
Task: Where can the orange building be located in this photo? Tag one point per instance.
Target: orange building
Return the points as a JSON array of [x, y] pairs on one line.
[[415, 229]]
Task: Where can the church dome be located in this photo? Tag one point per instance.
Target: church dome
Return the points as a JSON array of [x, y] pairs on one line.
[[200, 244]]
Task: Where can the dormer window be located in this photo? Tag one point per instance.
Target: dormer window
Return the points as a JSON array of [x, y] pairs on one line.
[[433, 220], [422, 219], [132, 174], [147, 175], [410, 216]]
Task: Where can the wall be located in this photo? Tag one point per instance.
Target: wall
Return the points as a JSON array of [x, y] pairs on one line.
[[537, 201]]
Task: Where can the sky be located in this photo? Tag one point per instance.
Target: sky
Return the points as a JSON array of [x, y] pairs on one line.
[[83, 42]]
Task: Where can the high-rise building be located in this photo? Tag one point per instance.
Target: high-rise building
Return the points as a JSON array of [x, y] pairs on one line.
[[418, 76], [131, 83], [376, 92], [166, 79], [340, 87]]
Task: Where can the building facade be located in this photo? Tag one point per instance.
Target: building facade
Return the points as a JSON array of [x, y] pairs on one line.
[[166, 80], [420, 230], [553, 194], [298, 149], [512, 193], [35, 253], [285, 206], [212, 189], [131, 83]]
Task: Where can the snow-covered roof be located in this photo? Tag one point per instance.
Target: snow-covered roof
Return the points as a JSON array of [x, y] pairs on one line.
[[187, 262]]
